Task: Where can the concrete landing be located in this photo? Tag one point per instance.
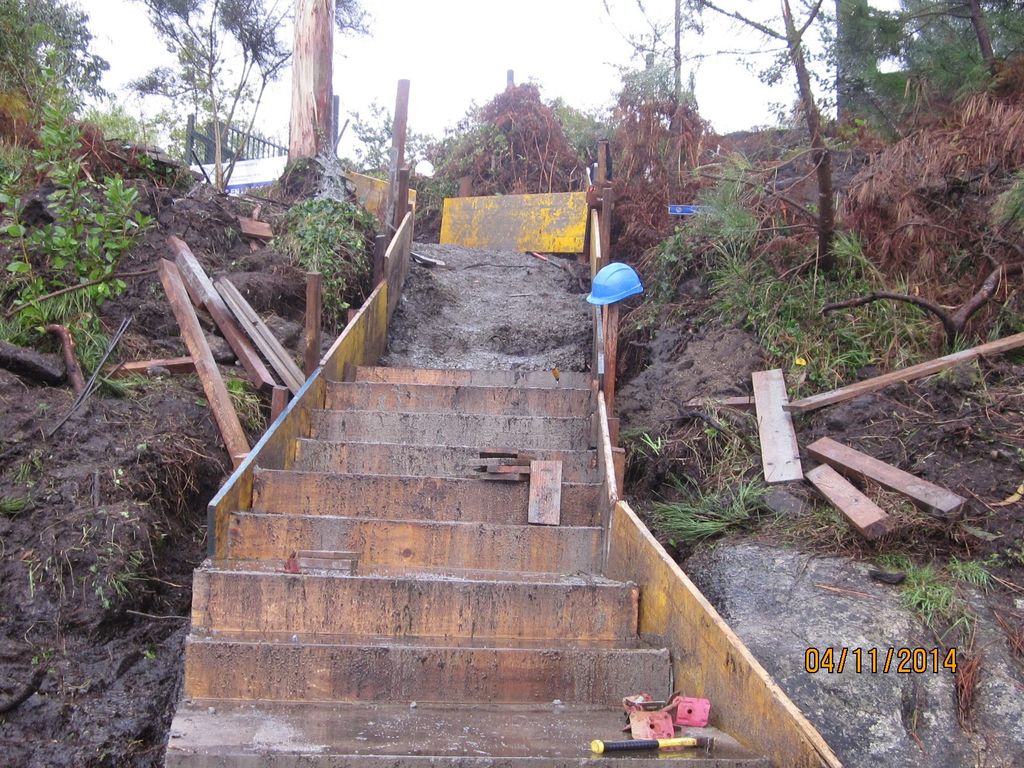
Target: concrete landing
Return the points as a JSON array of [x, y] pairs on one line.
[[399, 735]]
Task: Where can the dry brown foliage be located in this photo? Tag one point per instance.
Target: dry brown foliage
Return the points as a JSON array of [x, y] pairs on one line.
[[922, 206], [656, 147], [533, 154]]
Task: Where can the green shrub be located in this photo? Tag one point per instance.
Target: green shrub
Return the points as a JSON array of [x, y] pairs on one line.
[[333, 238]]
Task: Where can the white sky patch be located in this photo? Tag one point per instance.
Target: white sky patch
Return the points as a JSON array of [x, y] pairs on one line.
[[456, 52]]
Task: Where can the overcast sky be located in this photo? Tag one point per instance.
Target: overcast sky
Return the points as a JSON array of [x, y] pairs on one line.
[[455, 52]]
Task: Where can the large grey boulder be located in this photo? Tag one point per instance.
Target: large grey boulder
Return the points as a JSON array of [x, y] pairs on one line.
[[781, 602]]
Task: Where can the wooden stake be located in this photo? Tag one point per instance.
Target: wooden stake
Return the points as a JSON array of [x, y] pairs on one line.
[[310, 132], [603, 156], [402, 200], [278, 402], [611, 353], [209, 375], [313, 312], [607, 207], [397, 154]]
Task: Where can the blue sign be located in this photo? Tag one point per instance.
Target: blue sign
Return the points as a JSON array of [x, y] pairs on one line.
[[685, 210]]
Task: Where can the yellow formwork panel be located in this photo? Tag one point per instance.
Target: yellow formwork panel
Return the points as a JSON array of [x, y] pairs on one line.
[[371, 193], [550, 223]]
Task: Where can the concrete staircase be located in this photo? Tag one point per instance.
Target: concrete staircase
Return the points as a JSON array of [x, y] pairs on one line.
[[382, 606]]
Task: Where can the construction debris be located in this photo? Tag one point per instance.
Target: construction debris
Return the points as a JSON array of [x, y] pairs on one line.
[[906, 374], [863, 514], [213, 385], [205, 296], [155, 367], [846, 460], [780, 454], [258, 230], [545, 492]]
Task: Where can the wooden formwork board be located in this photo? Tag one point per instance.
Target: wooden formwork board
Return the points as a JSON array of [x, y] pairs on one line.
[[708, 658], [361, 343], [550, 223]]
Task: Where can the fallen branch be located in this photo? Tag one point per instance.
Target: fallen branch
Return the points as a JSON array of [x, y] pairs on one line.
[[953, 321], [78, 287], [67, 346], [27, 362]]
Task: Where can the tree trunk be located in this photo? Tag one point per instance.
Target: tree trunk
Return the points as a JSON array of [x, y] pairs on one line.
[[981, 30], [819, 151], [678, 59], [310, 132]]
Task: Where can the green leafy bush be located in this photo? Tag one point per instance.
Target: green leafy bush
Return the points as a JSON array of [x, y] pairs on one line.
[[333, 238]]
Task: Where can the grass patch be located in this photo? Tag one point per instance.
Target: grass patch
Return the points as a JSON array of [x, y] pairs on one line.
[[707, 515], [934, 593], [819, 352], [247, 405]]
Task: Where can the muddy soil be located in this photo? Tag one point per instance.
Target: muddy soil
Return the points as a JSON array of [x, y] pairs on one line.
[[102, 524], [491, 309]]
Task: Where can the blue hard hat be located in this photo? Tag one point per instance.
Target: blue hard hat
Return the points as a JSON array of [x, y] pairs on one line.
[[615, 282]]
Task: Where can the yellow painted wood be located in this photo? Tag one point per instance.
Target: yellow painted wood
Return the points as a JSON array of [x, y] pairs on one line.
[[708, 659], [551, 223], [371, 193], [363, 339]]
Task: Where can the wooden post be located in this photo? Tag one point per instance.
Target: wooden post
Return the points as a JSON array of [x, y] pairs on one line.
[[397, 152], [380, 248], [310, 131], [607, 207], [313, 311], [465, 186], [603, 155], [611, 350], [278, 402], [510, 80], [402, 199], [213, 385]]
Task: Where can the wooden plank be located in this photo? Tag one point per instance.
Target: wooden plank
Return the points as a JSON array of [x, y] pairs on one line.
[[906, 374], [596, 260], [313, 312], [605, 447], [261, 335], [545, 492], [259, 230], [203, 294], [739, 402], [863, 514], [607, 207], [853, 463], [780, 454], [708, 659], [549, 223], [216, 393], [174, 365]]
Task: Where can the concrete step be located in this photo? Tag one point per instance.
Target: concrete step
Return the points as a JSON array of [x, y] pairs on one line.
[[424, 460], [473, 429], [426, 605], [221, 668], [474, 378], [419, 498], [556, 549], [397, 735], [435, 398]]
